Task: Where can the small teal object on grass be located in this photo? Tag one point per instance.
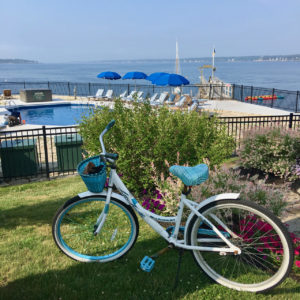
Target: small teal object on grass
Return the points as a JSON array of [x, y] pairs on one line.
[[94, 182], [147, 264]]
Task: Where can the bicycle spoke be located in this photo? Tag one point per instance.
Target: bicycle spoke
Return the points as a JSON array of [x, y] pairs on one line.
[[262, 248]]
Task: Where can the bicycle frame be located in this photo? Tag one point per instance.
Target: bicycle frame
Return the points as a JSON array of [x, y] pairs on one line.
[[153, 219]]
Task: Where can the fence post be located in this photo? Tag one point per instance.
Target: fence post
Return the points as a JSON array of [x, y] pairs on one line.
[[297, 99], [128, 92], [251, 94], [291, 120], [242, 92], [272, 100], [222, 97], [233, 90], [209, 95], [69, 92], [48, 85], [89, 88], [46, 152]]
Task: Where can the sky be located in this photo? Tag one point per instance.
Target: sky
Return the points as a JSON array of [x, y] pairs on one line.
[[95, 30]]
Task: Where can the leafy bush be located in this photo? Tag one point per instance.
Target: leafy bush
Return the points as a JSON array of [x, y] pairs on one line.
[[272, 150], [143, 135], [229, 181]]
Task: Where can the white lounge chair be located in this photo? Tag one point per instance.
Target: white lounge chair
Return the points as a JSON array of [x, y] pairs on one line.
[[181, 101], [122, 95], [171, 99], [108, 95], [163, 96], [193, 106], [130, 97], [139, 96], [153, 98], [98, 94]]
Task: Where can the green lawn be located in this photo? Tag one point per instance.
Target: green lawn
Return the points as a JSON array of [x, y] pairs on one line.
[[32, 267]]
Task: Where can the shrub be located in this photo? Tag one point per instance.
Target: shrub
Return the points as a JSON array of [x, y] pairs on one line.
[[143, 135], [228, 181], [272, 150]]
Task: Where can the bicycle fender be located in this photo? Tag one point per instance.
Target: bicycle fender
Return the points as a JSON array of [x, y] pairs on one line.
[[103, 193], [225, 196]]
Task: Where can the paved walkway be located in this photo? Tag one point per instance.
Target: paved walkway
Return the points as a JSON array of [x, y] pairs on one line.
[[242, 107]]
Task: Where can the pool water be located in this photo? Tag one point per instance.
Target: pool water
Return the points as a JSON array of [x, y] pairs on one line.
[[61, 115]]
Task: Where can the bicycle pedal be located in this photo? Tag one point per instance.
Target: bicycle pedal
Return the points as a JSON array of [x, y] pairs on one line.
[[147, 264]]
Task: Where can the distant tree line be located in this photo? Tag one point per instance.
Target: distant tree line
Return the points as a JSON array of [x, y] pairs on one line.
[[17, 61]]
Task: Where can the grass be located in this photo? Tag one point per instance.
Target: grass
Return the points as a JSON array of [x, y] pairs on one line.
[[32, 267]]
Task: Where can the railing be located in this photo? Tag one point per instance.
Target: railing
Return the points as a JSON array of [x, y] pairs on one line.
[[290, 99], [56, 151]]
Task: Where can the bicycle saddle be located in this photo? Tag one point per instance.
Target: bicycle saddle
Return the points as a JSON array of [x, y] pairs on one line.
[[190, 175]]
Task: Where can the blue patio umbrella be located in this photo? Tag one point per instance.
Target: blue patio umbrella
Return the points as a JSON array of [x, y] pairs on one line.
[[152, 77], [135, 75], [109, 75], [171, 80]]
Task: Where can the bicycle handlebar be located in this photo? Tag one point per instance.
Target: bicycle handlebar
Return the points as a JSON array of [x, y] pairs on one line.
[[109, 126]]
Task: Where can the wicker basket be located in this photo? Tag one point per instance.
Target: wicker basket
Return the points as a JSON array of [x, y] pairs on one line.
[[94, 182]]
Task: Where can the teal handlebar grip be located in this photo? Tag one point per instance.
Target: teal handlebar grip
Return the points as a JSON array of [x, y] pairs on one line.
[[110, 124]]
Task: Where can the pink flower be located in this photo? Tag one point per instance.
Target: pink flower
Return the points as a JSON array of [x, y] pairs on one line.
[[297, 263]]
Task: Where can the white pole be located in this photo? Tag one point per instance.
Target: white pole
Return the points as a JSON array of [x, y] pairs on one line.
[[213, 63]]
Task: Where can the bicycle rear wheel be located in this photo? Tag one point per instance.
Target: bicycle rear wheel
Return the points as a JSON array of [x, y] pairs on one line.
[[267, 252], [73, 229]]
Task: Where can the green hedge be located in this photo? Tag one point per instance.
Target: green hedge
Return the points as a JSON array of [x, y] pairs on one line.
[[143, 135]]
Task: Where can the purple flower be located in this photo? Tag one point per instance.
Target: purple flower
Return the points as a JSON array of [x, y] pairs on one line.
[[145, 202], [159, 196], [161, 206], [106, 182], [156, 203]]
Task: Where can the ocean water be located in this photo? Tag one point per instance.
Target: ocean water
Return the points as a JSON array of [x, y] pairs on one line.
[[279, 75]]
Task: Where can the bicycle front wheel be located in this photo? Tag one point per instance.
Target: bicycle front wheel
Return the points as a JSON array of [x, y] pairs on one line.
[[73, 229], [267, 252]]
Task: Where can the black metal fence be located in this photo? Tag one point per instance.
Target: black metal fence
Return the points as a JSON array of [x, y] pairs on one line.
[[89, 89], [56, 151], [281, 99]]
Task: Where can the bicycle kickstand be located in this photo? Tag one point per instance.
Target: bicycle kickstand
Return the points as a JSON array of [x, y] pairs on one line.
[[147, 263], [180, 251]]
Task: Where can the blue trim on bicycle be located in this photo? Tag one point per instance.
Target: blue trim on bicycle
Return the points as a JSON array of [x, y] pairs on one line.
[[89, 256]]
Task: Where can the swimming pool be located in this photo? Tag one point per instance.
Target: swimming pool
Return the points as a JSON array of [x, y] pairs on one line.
[[59, 115]]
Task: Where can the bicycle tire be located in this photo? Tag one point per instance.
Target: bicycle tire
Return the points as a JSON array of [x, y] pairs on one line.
[[267, 251], [73, 229]]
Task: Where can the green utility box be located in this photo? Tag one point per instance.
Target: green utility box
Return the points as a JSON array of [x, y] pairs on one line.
[[68, 150], [19, 158]]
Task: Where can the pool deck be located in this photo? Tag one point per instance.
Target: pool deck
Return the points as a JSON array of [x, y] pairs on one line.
[[228, 108]]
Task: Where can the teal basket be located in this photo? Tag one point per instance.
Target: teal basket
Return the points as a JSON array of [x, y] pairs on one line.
[[94, 182]]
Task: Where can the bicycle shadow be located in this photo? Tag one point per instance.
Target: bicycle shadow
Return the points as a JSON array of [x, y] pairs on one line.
[[121, 279], [31, 214]]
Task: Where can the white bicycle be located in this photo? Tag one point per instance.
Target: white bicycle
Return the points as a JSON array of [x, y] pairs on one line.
[[235, 242]]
